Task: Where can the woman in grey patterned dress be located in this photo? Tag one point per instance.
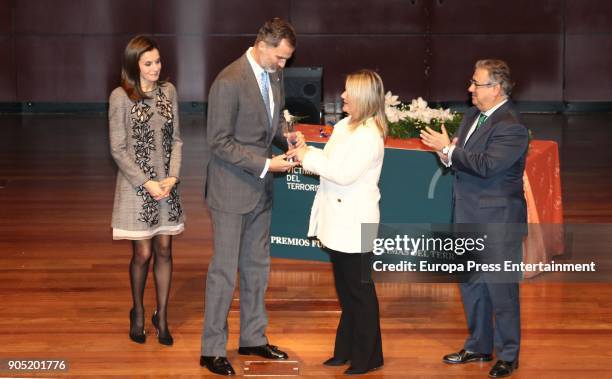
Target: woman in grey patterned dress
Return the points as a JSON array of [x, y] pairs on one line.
[[146, 145]]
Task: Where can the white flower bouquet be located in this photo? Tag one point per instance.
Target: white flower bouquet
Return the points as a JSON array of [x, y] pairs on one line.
[[407, 120]]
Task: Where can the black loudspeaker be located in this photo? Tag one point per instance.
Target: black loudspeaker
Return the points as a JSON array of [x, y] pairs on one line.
[[303, 93]]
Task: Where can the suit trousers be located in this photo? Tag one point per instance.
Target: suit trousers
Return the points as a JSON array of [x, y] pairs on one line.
[[493, 316], [241, 243], [492, 305], [358, 337]]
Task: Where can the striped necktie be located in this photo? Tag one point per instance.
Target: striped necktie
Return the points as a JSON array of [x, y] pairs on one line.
[[265, 89]]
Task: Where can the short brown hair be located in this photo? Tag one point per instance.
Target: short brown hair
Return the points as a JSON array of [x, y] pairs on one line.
[[274, 31], [499, 73], [130, 71]]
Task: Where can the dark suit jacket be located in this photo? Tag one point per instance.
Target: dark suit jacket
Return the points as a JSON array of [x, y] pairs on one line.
[[488, 184], [239, 137]]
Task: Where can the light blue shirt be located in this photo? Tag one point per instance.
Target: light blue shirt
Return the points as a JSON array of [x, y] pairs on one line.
[[257, 69]]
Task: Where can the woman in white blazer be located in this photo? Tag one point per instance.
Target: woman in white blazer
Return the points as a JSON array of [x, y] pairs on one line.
[[349, 168]]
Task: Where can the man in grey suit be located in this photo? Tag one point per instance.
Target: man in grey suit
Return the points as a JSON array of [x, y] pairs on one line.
[[488, 160], [244, 110]]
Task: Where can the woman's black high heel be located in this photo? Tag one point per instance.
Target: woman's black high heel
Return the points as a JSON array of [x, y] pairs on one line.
[[136, 337], [163, 339]]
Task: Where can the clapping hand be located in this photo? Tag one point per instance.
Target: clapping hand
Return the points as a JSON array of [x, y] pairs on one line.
[[435, 140]]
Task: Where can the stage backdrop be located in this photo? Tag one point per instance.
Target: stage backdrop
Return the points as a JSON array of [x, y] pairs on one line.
[[70, 51]]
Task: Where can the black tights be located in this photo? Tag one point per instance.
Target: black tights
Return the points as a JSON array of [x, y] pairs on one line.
[[161, 247]]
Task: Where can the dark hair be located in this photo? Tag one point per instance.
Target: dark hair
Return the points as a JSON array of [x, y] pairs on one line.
[[130, 71], [274, 31], [499, 73]]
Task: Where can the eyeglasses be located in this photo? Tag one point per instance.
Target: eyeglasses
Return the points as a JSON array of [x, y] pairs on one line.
[[474, 83]]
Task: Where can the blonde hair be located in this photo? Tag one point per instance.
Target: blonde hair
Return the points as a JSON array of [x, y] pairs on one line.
[[365, 89]]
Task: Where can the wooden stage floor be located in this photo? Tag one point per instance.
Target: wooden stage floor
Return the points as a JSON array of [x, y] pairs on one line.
[[65, 292]]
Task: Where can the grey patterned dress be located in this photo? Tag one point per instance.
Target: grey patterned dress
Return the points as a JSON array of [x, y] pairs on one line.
[[145, 143]]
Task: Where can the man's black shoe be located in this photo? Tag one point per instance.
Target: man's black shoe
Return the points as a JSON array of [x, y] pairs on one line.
[[217, 365], [503, 368], [464, 356], [266, 351]]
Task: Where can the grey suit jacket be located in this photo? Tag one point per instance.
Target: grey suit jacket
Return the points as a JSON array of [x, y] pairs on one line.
[[488, 184], [239, 137]]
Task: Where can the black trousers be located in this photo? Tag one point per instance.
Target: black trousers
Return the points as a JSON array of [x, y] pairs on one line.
[[358, 336]]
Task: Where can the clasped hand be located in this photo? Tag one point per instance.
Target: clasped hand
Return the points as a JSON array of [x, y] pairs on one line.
[[160, 190]]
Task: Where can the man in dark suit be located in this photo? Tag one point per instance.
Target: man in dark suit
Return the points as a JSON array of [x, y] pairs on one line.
[[488, 159], [244, 110]]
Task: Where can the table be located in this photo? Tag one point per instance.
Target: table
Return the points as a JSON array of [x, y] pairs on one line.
[[415, 188], [542, 185]]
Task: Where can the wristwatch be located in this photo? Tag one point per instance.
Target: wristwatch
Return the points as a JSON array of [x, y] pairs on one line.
[[446, 149]]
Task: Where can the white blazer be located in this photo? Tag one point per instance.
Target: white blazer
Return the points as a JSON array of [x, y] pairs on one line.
[[349, 168]]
